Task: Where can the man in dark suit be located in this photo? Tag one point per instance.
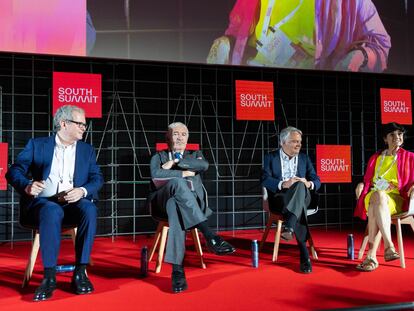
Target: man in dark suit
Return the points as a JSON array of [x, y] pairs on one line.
[[64, 182], [178, 191], [289, 178]]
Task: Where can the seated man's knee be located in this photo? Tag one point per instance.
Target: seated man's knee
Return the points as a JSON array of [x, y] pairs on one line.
[[51, 212], [178, 183], [300, 184]]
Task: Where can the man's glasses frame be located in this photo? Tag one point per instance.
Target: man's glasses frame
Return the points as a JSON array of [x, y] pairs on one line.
[[79, 124]]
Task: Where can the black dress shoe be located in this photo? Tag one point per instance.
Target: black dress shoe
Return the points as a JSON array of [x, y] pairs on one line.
[[179, 283], [287, 234], [81, 283], [305, 266], [220, 247], [45, 290]]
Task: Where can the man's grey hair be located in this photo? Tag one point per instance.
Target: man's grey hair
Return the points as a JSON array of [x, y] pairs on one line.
[[65, 113], [172, 126], [285, 133]]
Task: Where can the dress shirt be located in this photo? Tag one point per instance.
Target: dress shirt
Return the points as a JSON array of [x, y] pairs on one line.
[[289, 168], [62, 170]]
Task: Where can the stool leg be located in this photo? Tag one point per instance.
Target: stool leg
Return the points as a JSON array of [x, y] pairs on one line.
[[363, 244], [157, 236], [410, 221], [266, 232], [196, 239], [277, 240], [73, 233], [161, 249], [32, 260], [312, 248], [400, 242]]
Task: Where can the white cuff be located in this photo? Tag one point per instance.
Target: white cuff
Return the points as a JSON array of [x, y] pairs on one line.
[[84, 191], [312, 185], [279, 186]]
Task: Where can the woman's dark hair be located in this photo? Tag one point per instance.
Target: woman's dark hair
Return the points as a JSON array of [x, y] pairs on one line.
[[391, 127]]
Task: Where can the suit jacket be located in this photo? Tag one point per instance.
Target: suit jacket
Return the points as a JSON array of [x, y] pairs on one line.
[[193, 161], [272, 171], [36, 161]]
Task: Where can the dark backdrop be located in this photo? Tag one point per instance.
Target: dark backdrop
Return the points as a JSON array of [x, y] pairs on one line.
[[141, 98]]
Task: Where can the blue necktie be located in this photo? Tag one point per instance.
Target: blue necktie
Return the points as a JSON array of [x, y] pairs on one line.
[[178, 155]]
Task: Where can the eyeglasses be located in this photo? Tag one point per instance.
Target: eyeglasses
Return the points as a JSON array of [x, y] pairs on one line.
[[79, 124]]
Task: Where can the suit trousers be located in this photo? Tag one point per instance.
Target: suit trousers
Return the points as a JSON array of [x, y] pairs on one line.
[[294, 200], [50, 216], [184, 212]]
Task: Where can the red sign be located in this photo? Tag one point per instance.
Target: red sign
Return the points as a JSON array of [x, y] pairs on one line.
[[396, 106], [164, 146], [254, 100], [333, 163], [80, 89], [3, 165]]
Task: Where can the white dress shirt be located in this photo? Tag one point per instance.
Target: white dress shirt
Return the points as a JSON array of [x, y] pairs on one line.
[[289, 167], [61, 172]]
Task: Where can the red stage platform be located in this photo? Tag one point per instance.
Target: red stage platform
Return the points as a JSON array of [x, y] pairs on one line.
[[228, 283]]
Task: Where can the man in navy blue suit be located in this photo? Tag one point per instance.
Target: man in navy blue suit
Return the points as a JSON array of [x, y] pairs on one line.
[[290, 180], [64, 182]]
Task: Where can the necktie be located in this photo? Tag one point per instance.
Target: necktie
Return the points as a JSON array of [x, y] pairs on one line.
[[178, 155]]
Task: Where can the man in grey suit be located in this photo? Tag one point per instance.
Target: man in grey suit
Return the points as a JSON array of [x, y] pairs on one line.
[[291, 182], [178, 191]]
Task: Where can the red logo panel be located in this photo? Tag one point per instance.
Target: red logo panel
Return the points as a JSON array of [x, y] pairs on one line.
[[164, 146], [80, 89], [333, 163], [3, 165], [254, 100], [396, 106]]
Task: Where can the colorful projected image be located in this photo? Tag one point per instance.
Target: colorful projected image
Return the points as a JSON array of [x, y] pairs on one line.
[[345, 35], [44, 26]]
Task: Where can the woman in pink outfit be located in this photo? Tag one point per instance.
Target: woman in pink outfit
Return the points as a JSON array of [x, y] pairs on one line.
[[387, 188]]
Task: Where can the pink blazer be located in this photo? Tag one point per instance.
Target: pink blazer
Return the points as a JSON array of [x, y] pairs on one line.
[[405, 171]]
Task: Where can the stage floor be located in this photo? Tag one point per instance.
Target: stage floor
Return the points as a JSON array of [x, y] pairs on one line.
[[228, 283]]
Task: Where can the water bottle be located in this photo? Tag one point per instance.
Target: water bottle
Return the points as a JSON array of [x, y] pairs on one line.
[[350, 250], [64, 268], [144, 261], [255, 254]]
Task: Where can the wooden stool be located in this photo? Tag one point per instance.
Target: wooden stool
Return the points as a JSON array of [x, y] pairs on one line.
[[278, 220], [35, 250], [160, 238], [396, 220]]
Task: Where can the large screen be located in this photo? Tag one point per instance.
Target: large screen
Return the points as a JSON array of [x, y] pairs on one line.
[[345, 35]]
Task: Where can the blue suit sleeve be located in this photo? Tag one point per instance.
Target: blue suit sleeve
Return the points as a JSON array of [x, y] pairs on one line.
[[270, 179], [197, 163], [158, 172], [95, 178], [311, 174], [17, 173]]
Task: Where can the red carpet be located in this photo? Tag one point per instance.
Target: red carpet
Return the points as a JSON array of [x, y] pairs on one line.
[[228, 283]]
